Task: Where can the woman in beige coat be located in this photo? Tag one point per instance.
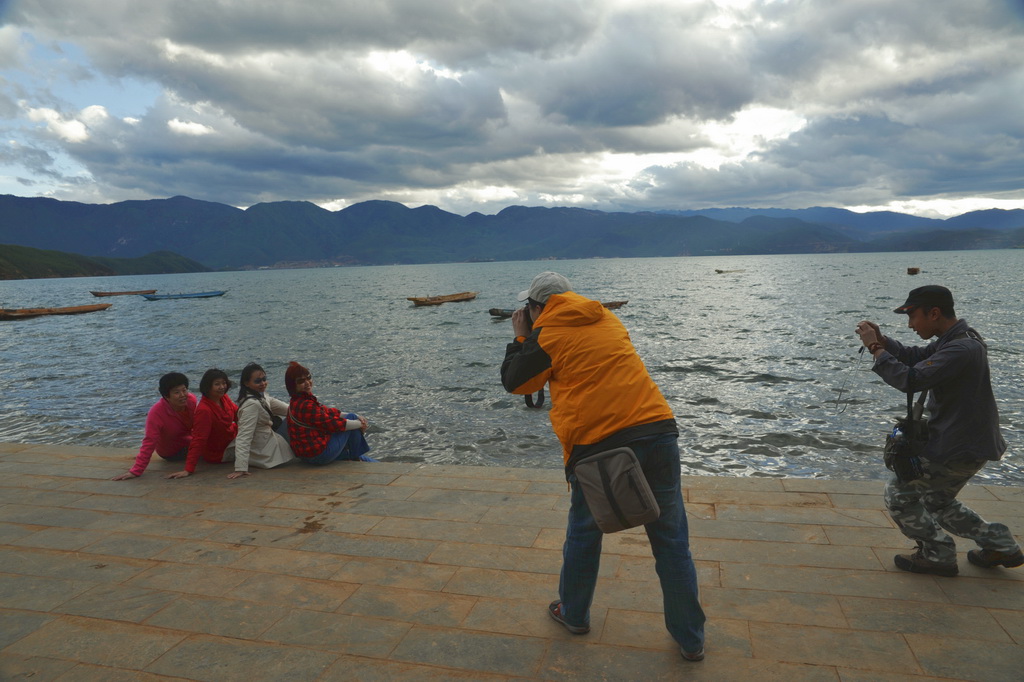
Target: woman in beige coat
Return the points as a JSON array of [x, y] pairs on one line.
[[258, 444]]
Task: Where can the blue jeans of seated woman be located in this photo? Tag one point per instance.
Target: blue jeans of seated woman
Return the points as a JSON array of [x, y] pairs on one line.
[[350, 445], [669, 537]]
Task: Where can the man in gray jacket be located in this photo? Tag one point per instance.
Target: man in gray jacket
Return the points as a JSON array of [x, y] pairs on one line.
[[963, 434]]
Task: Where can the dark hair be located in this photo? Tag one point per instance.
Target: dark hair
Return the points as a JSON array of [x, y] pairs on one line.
[[170, 381], [247, 373], [211, 375]]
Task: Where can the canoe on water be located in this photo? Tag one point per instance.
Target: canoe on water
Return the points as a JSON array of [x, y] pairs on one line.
[[507, 312], [198, 294], [438, 300], [25, 313], [123, 293]]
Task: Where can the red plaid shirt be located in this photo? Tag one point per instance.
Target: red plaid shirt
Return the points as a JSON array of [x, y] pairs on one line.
[[305, 408]]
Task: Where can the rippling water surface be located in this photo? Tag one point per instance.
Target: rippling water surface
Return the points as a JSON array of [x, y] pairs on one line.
[[752, 362]]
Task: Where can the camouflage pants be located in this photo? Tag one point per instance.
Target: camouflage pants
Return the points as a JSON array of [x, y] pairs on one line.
[[924, 509]]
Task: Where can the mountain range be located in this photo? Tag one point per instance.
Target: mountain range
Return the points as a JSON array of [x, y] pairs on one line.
[[289, 233]]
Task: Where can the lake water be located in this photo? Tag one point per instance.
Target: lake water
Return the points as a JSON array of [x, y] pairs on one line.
[[752, 362]]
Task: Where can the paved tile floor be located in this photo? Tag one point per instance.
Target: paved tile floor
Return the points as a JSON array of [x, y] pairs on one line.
[[398, 571]]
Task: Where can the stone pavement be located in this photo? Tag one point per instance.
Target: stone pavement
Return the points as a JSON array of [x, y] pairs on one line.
[[400, 571]]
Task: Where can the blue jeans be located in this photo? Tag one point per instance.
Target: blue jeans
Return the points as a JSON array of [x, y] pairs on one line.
[[669, 537], [350, 445]]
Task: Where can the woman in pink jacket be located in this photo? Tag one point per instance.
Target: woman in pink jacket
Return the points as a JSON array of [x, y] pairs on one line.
[[168, 425], [214, 428]]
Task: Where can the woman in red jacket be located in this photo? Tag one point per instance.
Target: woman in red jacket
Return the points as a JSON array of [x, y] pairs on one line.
[[214, 428], [321, 434]]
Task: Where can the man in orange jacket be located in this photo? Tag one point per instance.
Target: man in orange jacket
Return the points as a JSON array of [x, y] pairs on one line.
[[602, 398]]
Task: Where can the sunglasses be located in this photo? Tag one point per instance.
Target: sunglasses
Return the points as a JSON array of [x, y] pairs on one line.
[[262, 380]]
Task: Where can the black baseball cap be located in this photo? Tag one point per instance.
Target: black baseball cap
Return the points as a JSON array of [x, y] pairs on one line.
[[932, 296]]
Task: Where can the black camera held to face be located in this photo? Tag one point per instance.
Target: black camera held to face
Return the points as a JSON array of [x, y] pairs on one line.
[[530, 400]]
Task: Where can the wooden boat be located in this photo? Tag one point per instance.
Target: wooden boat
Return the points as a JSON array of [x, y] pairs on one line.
[[200, 294], [25, 313], [725, 272], [123, 293], [504, 313], [438, 300], [913, 271]]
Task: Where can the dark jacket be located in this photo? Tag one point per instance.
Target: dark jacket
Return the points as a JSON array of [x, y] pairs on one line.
[[963, 418]]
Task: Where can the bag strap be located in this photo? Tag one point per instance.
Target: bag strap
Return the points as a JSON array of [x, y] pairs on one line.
[[291, 417], [914, 411]]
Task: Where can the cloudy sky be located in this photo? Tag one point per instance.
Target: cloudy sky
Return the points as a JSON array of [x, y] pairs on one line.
[[474, 105]]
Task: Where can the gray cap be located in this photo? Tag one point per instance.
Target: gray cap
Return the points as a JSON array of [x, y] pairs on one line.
[[544, 285]]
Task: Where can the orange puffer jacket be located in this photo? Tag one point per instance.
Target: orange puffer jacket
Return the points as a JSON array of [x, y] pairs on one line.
[[601, 393]]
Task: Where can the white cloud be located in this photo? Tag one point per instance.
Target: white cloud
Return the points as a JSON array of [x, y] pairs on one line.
[[615, 104], [189, 127]]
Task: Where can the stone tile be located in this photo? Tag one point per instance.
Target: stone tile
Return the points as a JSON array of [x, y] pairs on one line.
[[485, 499], [482, 582], [49, 516], [268, 588], [642, 569], [355, 668], [41, 497], [578, 661], [646, 630], [1012, 622], [752, 530], [866, 537], [766, 606], [784, 553], [35, 668], [258, 536], [408, 606], [84, 672], [526, 559], [63, 469], [749, 498], [356, 545], [418, 510], [489, 653], [186, 529], [898, 616], [410, 575], [524, 516], [882, 651], [528, 474], [843, 501], [529, 618], [312, 502], [964, 658], [418, 480], [14, 480], [17, 624], [116, 645], [212, 659], [60, 538], [377, 492], [813, 515], [227, 617], [198, 492], [136, 505], [54, 564], [9, 448], [818, 485], [262, 516], [745, 484], [850, 675], [1010, 494], [209, 580], [292, 562], [10, 532], [835, 581], [993, 594], [338, 632], [37, 594], [82, 452], [118, 602], [207, 553], [459, 532], [105, 487], [127, 545]]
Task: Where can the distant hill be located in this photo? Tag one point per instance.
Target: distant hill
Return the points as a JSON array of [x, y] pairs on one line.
[[22, 262], [297, 234]]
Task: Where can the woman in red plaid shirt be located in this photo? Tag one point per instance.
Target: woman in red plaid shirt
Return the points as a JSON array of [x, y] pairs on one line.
[[321, 434]]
